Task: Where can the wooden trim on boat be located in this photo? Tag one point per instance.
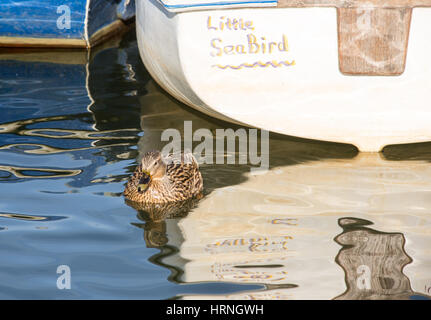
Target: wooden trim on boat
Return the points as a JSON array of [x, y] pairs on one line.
[[99, 36], [42, 42]]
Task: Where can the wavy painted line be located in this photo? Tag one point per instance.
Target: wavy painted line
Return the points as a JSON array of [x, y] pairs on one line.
[[274, 64]]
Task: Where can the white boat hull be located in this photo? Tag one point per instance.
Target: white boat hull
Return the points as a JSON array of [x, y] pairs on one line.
[[295, 87]]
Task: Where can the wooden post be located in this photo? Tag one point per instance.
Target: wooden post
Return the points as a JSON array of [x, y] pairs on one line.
[[373, 262]]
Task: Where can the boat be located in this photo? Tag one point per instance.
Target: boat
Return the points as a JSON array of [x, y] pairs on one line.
[[316, 69], [54, 23]]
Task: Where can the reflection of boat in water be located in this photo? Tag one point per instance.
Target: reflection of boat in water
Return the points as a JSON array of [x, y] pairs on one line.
[[278, 229], [214, 61], [373, 262], [41, 82]]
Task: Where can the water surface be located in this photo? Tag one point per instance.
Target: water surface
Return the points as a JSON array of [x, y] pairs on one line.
[[73, 127]]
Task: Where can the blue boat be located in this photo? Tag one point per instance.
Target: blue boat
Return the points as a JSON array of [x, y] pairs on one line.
[[60, 23]]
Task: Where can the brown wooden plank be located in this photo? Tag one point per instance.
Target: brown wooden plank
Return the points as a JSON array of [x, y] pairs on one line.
[[373, 41]]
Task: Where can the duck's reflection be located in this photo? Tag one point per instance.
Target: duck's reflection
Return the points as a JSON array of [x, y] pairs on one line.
[[155, 234], [160, 225], [155, 217], [373, 262]]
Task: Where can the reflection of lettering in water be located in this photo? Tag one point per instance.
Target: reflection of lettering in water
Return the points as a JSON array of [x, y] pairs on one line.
[[262, 271], [260, 259], [286, 221], [269, 270], [373, 262], [259, 244]]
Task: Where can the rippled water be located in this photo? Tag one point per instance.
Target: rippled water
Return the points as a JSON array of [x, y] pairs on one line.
[[325, 222]]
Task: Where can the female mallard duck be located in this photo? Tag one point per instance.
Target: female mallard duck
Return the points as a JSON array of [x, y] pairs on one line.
[[161, 179]]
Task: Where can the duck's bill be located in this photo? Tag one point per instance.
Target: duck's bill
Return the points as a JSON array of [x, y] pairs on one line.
[[144, 182]]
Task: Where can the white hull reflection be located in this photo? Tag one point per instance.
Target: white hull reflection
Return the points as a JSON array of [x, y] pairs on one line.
[[279, 229]]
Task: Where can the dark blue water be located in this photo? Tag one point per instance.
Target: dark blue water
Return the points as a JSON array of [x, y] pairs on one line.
[[73, 125]]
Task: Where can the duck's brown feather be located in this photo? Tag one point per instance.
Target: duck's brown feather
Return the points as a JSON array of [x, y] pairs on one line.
[[182, 181]]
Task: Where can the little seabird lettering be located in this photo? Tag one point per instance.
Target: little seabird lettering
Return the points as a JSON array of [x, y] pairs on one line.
[[252, 44], [230, 24]]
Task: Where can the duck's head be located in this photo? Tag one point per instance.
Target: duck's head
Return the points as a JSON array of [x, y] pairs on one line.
[[152, 168]]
